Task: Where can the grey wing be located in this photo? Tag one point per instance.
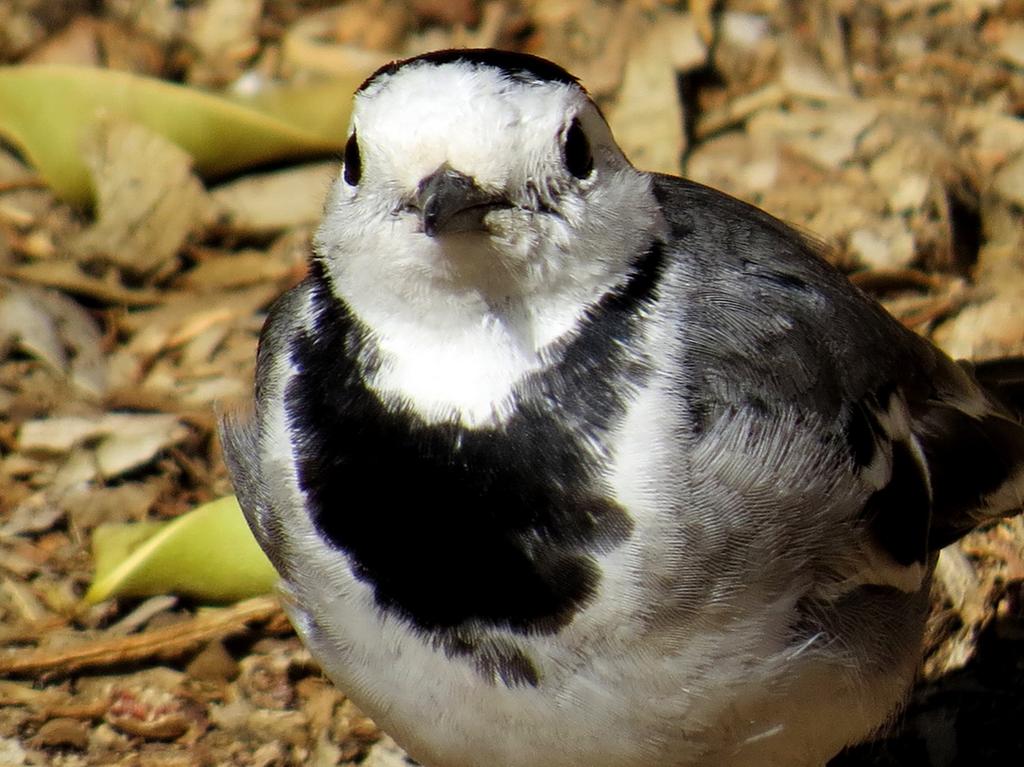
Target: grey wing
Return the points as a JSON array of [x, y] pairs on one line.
[[256, 445], [773, 327]]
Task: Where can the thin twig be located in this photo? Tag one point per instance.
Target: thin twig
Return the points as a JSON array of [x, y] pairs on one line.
[[163, 643]]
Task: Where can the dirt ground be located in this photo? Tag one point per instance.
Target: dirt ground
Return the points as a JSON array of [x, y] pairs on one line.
[[131, 297]]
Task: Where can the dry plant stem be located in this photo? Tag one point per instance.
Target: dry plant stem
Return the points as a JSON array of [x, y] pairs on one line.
[[942, 306], [67, 276], [29, 182], [168, 642]]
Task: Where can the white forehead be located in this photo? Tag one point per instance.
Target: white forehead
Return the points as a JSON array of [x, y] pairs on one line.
[[474, 118]]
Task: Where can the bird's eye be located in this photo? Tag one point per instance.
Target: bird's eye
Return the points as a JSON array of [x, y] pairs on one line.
[[353, 163], [578, 157]]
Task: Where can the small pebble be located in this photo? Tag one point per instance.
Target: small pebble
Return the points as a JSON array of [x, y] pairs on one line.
[[63, 731], [213, 664]]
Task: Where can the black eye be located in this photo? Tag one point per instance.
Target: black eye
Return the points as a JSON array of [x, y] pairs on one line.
[[353, 163], [578, 158]]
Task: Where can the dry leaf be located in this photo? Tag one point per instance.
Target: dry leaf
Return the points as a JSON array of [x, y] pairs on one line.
[[187, 556], [313, 45], [995, 136], [1009, 181], [802, 75], [49, 325], [147, 198], [269, 202], [885, 244], [237, 270], [1011, 47], [735, 163], [901, 177], [45, 110], [990, 329], [69, 277], [76, 45], [647, 117], [178, 320], [225, 35], [826, 136], [124, 441]]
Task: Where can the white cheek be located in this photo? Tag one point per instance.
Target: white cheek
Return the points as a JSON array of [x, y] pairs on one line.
[[512, 233]]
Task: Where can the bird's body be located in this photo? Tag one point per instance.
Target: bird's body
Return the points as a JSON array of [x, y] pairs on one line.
[[563, 463]]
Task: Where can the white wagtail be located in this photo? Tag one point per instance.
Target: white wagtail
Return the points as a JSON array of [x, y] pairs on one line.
[[567, 464]]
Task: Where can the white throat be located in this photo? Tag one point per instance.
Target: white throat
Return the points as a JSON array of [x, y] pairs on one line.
[[453, 345], [461, 319]]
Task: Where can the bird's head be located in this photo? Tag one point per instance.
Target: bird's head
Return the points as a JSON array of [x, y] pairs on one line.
[[484, 175]]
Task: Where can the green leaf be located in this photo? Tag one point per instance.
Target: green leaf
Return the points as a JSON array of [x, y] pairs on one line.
[[45, 111], [208, 554]]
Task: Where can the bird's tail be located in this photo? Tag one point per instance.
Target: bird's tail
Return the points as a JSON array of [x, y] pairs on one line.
[[1004, 378], [976, 462]]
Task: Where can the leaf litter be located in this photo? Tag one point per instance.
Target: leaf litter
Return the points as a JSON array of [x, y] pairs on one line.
[[889, 128]]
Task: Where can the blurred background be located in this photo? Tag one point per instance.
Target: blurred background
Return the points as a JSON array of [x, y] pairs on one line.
[[162, 167]]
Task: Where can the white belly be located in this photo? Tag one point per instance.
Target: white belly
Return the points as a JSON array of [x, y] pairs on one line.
[[610, 694]]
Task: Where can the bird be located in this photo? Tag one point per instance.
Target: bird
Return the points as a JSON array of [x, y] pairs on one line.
[[562, 462]]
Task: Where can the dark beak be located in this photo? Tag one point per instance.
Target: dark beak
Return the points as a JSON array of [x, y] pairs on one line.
[[449, 202]]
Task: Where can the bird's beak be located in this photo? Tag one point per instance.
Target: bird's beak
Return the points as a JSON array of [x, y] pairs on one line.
[[449, 202]]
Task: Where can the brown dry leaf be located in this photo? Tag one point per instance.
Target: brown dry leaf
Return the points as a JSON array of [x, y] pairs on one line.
[[148, 199], [385, 753], [151, 714], [1009, 181], [737, 110], [1011, 46], [270, 202], [237, 270], [124, 441], [55, 330], [735, 163], [15, 694], [94, 42], [959, 580], [193, 350], [62, 732], [827, 136], [126, 450], [87, 506], [647, 117], [704, 18], [182, 319], [34, 515], [803, 76], [77, 44], [461, 12], [1002, 249], [23, 199], [371, 24], [125, 49], [225, 35], [317, 43], [990, 329], [69, 277], [591, 39], [490, 30], [885, 244], [902, 176], [842, 206], [992, 136]]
